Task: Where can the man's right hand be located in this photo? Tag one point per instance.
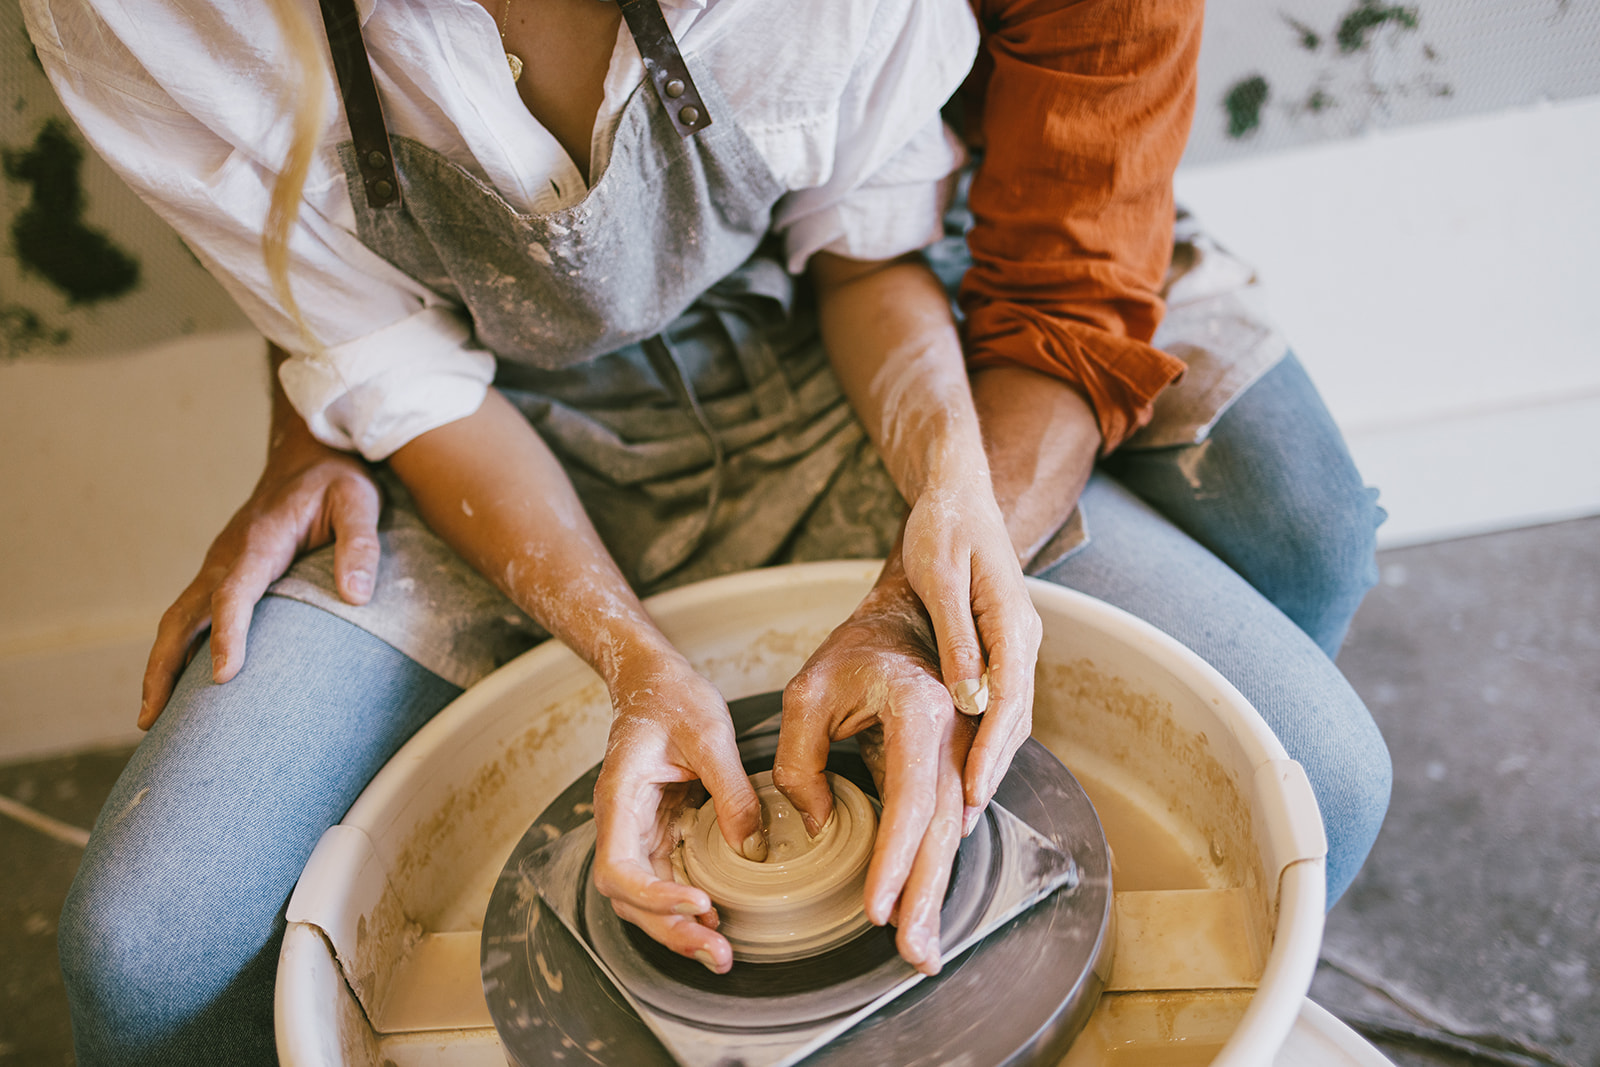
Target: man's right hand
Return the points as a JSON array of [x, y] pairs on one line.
[[308, 494]]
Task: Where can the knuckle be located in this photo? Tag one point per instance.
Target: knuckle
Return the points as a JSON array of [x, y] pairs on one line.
[[1032, 627], [177, 614], [805, 690], [606, 881], [787, 777]]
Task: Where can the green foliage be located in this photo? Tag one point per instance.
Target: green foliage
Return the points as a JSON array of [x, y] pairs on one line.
[[1244, 102], [1356, 28]]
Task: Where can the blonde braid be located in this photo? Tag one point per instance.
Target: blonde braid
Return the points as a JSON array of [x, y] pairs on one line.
[[310, 117]]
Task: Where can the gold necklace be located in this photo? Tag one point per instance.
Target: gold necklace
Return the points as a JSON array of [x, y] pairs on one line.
[[512, 60]]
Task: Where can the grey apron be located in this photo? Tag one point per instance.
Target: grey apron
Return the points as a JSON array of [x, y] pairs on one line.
[[656, 343], [652, 337]]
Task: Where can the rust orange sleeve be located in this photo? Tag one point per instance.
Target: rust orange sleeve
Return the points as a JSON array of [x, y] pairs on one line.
[[1082, 108]]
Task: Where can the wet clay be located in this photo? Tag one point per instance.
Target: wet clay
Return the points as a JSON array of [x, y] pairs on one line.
[[806, 896]]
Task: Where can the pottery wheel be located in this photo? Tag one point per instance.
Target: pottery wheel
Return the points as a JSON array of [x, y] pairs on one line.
[[1019, 995]]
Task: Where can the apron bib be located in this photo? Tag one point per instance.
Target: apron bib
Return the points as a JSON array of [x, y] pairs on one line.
[[652, 337]]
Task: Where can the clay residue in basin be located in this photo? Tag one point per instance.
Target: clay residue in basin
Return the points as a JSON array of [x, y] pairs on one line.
[[1107, 730]]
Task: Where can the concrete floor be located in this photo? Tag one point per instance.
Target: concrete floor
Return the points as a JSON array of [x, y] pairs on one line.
[[1473, 934]]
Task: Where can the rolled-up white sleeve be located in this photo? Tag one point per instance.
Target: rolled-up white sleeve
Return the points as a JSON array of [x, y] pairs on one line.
[[391, 358], [373, 394], [893, 154]]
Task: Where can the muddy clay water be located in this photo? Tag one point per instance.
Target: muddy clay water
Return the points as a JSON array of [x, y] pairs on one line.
[[1150, 1029]]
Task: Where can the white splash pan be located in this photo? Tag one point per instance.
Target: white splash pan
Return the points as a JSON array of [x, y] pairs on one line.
[[380, 962]]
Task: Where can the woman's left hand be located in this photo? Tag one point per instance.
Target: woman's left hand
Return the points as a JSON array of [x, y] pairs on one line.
[[672, 735]]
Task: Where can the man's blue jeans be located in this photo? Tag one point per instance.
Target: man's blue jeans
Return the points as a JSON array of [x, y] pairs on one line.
[[1254, 549]]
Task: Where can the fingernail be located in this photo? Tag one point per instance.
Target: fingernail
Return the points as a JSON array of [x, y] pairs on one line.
[[812, 829], [972, 695], [685, 908], [969, 820], [916, 949], [755, 847], [360, 583], [706, 958], [931, 962]]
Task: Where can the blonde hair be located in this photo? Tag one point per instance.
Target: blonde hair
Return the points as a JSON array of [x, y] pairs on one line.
[[310, 117]]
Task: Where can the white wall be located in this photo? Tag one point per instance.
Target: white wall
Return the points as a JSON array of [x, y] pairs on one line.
[[117, 474], [1442, 285]]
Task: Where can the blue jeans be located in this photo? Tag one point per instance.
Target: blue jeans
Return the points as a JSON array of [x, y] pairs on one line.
[[169, 937], [1240, 548], [1254, 548]]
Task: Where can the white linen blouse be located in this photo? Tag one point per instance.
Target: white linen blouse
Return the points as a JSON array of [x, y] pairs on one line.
[[188, 100]]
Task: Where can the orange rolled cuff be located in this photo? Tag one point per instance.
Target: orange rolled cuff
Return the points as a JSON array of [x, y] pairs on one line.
[[1083, 109]]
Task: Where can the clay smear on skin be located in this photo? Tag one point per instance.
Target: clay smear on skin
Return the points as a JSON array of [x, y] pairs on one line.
[[918, 383]]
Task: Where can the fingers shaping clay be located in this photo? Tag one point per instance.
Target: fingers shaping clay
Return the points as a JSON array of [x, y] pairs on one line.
[[807, 896]]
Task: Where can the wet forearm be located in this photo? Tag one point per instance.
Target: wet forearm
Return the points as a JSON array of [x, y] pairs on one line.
[[492, 489], [895, 350], [1041, 438]]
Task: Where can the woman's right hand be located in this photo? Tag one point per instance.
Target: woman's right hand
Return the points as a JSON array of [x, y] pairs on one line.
[[672, 735], [308, 494]]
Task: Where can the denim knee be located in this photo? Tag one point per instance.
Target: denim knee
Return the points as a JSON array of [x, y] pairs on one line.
[[1352, 783], [1325, 564], [148, 973]]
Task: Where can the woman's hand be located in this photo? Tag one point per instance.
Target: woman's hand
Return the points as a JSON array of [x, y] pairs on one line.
[[308, 494], [671, 736], [526, 530], [877, 678]]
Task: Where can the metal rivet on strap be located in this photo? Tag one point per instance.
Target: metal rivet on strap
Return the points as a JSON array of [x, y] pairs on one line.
[[383, 189], [689, 115], [376, 159], [674, 88]]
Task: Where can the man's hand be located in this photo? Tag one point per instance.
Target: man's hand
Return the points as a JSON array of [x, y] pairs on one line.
[[877, 678], [308, 495], [672, 733], [959, 561], [297, 506]]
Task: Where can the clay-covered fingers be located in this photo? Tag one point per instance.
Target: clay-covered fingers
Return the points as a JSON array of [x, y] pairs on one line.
[[1012, 633], [677, 916], [716, 761], [923, 896], [684, 935], [915, 728], [946, 594], [802, 757], [636, 830]]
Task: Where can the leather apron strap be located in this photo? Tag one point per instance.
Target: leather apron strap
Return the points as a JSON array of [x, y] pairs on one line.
[[362, 109], [663, 64]]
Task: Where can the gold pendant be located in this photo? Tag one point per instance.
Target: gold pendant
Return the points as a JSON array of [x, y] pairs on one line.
[[515, 62]]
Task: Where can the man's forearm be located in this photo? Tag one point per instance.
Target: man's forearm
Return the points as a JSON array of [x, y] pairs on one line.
[[1041, 437]]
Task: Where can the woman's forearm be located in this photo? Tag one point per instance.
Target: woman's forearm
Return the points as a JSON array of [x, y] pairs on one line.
[[492, 489], [894, 348]]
